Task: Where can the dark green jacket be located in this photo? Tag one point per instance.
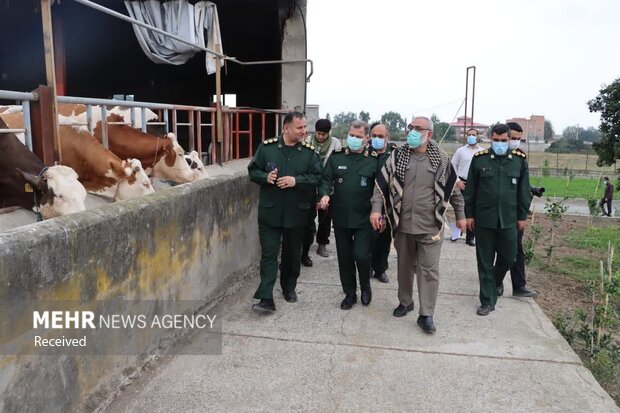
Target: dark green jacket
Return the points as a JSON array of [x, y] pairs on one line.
[[497, 193], [289, 207], [352, 178]]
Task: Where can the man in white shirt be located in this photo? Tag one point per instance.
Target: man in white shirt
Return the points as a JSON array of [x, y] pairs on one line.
[[461, 161]]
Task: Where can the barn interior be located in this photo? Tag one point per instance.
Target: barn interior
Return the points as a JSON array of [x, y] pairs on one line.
[[98, 55]]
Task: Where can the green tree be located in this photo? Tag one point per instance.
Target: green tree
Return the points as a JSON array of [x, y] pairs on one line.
[[576, 132], [364, 116], [549, 132], [395, 124], [608, 104], [341, 122], [440, 128]]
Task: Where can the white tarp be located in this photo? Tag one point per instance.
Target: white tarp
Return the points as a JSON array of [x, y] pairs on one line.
[[182, 19]]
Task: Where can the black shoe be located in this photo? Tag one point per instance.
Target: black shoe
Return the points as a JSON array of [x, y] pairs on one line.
[[485, 309], [306, 261], [524, 292], [366, 296], [265, 306], [382, 277], [500, 289], [426, 322], [348, 301], [290, 296], [402, 311], [471, 243]]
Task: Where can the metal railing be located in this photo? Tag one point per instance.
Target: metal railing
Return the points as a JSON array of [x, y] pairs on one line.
[[23, 99]]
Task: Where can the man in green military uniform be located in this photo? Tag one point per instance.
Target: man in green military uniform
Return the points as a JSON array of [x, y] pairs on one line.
[[497, 199], [382, 240], [350, 173], [288, 170]]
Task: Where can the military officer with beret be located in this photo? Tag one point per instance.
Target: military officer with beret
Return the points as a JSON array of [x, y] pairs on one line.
[[350, 173], [497, 199], [288, 171], [382, 240]]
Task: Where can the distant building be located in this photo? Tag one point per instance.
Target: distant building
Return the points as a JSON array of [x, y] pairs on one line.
[[533, 127], [463, 123]]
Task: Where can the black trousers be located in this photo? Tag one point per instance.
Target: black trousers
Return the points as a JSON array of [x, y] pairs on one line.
[[309, 230], [325, 226], [353, 249], [602, 205], [517, 270], [469, 235]]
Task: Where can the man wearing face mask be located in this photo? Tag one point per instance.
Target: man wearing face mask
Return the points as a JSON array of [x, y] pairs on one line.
[[382, 240], [413, 190], [461, 161], [324, 145], [347, 185], [497, 199]]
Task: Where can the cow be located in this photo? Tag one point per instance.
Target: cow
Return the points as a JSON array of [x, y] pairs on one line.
[[26, 182], [195, 163], [100, 170]]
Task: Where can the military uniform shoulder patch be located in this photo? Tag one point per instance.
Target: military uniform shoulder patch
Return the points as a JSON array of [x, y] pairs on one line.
[[519, 152], [338, 150], [307, 145], [482, 152], [374, 154], [268, 141]]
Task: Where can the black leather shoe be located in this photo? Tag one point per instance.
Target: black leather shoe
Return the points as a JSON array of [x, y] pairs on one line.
[[366, 296], [485, 309], [402, 311], [348, 301], [290, 296], [524, 292], [306, 261], [426, 322], [500, 289], [265, 306], [382, 277], [471, 243]]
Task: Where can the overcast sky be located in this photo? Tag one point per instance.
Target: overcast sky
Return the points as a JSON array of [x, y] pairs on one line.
[[542, 57]]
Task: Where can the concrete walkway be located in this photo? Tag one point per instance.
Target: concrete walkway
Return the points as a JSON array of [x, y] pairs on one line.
[[312, 356]]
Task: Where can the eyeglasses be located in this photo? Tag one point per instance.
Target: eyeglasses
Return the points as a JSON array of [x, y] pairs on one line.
[[417, 128]]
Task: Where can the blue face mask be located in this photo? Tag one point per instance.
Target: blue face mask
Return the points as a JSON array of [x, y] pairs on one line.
[[500, 148], [471, 139], [414, 138], [355, 144], [378, 143]]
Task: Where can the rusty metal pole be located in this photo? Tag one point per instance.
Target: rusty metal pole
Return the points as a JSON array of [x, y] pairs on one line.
[[50, 71], [473, 98], [218, 103]]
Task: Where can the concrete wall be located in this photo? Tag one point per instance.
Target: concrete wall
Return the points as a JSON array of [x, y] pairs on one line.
[[294, 74], [183, 243]]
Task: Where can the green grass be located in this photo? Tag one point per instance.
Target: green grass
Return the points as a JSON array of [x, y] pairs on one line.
[[596, 238], [563, 187], [581, 268]]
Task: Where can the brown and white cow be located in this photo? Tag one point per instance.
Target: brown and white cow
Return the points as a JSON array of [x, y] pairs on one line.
[[98, 169], [26, 183], [195, 163]]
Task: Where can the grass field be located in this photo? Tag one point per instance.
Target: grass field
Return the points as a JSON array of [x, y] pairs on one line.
[[563, 187]]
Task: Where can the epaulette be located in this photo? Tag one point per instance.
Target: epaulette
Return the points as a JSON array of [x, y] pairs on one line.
[[268, 141], [338, 150], [307, 145], [519, 152], [374, 154], [482, 152]]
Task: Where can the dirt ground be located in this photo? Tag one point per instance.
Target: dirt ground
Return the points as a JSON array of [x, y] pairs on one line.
[[562, 293]]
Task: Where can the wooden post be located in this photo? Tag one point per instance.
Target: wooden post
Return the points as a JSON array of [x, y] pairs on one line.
[[50, 72], [41, 119], [218, 103]]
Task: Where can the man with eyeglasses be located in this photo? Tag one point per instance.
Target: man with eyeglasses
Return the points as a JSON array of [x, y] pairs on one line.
[[461, 161], [497, 199], [380, 142], [413, 190]]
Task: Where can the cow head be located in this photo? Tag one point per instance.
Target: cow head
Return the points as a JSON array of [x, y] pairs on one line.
[[136, 184], [59, 189], [172, 165], [195, 163]]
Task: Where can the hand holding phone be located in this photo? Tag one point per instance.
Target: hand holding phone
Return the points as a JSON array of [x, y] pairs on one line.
[[273, 173]]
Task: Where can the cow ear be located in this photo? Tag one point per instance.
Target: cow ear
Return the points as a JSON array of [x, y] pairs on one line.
[[34, 180], [194, 155], [171, 136]]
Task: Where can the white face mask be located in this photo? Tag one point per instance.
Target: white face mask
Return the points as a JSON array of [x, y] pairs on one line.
[[514, 144]]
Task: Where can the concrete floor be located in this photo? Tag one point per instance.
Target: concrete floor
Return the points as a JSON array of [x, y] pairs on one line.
[[312, 356]]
